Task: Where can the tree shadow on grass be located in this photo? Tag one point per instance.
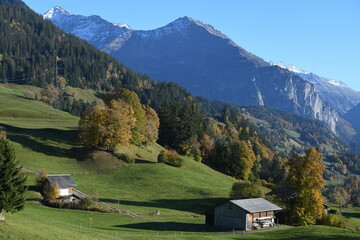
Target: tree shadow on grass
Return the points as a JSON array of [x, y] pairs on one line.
[[137, 160], [197, 206], [168, 226], [351, 215], [34, 139]]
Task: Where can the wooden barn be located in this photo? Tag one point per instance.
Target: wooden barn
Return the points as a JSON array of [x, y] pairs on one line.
[[65, 183], [245, 214]]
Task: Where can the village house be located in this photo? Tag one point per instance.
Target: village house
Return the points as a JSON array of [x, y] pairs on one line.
[[245, 214], [65, 183]]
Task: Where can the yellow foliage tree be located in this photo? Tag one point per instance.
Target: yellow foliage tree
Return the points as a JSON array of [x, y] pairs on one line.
[[305, 178], [107, 126], [51, 192], [152, 125]]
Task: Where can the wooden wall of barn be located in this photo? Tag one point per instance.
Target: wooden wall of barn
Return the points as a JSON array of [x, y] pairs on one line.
[[230, 216]]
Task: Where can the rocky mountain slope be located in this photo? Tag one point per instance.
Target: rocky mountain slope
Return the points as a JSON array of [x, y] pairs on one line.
[[204, 61], [335, 93]]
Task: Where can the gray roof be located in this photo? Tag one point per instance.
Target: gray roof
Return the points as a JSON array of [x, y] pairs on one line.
[[63, 180], [253, 205]]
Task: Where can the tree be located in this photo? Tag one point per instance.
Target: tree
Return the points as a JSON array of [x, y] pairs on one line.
[[246, 189], [49, 95], [152, 125], [340, 196], [132, 99], [304, 201], [107, 126], [12, 181], [51, 192], [242, 159]]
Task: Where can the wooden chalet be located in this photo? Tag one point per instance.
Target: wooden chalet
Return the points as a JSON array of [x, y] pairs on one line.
[[245, 214], [65, 183]]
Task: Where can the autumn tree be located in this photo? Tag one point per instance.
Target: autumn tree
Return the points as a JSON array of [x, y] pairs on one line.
[[242, 159], [51, 192], [50, 94], [340, 196], [107, 126], [304, 199], [132, 99], [152, 125], [12, 181]]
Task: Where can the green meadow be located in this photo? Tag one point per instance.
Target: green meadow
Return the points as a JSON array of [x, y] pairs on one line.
[[46, 139]]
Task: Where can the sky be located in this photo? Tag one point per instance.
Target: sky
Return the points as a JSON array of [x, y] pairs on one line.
[[319, 36]]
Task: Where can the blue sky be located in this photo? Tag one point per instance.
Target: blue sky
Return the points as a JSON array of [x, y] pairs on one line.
[[319, 36]]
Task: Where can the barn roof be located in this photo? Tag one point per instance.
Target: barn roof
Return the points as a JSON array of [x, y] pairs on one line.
[[63, 180], [253, 205]]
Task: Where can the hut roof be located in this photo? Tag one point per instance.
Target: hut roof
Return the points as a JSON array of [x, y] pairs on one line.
[[63, 180], [253, 205]]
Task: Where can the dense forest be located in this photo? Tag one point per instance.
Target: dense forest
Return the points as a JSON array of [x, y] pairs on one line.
[[280, 124], [35, 52]]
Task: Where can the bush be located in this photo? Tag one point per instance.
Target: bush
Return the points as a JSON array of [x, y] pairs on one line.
[[51, 192], [332, 220], [86, 203], [41, 179], [29, 94], [170, 157], [357, 228], [246, 189], [124, 157]]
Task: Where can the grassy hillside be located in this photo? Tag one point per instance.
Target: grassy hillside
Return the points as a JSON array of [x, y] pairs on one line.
[[37, 222], [45, 140]]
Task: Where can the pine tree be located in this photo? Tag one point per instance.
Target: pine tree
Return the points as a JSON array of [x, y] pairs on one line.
[[12, 181]]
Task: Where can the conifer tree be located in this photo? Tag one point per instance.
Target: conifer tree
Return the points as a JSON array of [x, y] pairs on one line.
[[12, 181]]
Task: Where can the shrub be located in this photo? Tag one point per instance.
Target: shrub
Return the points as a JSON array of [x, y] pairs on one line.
[[86, 203], [246, 189], [357, 228], [332, 220], [197, 155], [170, 157], [41, 179], [124, 157], [51, 192], [29, 94]]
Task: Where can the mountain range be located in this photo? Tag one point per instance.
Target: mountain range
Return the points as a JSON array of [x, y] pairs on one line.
[[334, 92], [209, 64]]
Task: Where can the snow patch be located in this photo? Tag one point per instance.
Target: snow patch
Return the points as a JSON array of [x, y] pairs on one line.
[[55, 11], [290, 67]]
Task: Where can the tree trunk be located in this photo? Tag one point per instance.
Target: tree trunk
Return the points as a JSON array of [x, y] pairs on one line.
[[2, 217]]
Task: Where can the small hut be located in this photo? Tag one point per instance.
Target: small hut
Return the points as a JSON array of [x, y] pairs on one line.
[[245, 214], [65, 183]]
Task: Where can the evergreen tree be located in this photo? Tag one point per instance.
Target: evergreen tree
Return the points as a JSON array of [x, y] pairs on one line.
[[12, 181]]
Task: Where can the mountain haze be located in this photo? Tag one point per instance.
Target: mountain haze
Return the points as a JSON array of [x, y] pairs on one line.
[[207, 63]]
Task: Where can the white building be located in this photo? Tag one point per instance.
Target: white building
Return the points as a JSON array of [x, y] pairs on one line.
[[65, 183]]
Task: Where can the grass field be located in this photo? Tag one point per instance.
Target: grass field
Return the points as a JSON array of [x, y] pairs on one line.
[[44, 140]]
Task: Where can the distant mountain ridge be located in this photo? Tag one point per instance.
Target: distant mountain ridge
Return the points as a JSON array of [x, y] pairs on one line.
[[336, 93], [102, 34], [207, 63]]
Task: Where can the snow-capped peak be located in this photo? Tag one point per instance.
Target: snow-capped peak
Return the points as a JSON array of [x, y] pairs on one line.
[[290, 67], [121, 25], [55, 11]]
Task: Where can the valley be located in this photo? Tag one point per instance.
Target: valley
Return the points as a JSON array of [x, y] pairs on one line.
[[210, 131]]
